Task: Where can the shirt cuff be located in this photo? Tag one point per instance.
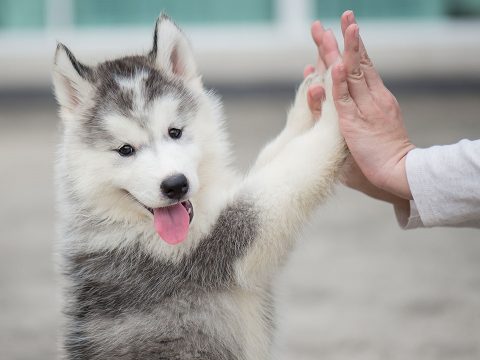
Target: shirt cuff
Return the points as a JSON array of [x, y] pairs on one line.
[[408, 216]]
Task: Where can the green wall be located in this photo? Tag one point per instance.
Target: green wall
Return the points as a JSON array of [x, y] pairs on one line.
[[22, 14], [114, 12], [381, 8], [398, 8], [28, 14]]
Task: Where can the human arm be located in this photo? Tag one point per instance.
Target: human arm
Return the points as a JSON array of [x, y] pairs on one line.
[[445, 183], [443, 180]]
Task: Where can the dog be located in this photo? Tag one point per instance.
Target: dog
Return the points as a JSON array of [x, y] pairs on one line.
[[166, 251]]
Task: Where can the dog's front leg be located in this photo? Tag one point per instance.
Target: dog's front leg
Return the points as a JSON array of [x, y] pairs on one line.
[[285, 191], [299, 120]]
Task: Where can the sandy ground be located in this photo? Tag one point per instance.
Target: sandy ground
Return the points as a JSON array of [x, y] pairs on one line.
[[357, 287]]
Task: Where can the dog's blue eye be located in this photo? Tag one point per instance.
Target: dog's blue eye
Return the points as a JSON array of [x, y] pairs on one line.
[[126, 150], [175, 133]]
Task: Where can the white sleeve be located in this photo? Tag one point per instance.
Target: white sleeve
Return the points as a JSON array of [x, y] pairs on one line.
[[445, 185], [408, 216]]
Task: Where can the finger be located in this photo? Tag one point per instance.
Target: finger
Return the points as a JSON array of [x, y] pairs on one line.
[[344, 103], [315, 99], [331, 54], [373, 79], [346, 19], [309, 69], [318, 32], [356, 81]]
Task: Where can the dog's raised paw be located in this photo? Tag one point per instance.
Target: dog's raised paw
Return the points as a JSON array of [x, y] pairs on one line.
[[301, 117]]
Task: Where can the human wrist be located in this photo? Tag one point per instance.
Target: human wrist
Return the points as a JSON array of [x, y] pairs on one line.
[[397, 183]]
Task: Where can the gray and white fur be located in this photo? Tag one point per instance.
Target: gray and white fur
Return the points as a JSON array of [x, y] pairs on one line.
[[130, 295]]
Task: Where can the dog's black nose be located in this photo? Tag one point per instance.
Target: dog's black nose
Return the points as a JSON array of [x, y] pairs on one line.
[[175, 187]]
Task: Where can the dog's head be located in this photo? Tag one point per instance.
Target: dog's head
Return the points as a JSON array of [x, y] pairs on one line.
[[136, 132]]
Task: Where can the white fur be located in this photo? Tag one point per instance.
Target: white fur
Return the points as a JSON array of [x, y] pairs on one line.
[[309, 159], [176, 57], [292, 175], [310, 162], [134, 84]]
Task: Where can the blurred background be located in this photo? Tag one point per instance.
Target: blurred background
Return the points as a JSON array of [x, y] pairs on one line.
[[357, 286]]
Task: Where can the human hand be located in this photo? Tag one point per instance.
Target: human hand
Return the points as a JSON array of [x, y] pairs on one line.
[[328, 55], [369, 115]]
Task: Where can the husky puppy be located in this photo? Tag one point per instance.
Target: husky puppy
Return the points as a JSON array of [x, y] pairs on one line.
[[166, 251]]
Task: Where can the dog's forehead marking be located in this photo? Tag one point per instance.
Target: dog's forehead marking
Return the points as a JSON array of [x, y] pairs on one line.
[[134, 90], [134, 85], [131, 82]]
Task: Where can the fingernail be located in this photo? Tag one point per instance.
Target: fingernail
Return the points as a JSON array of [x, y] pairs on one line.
[[351, 17]]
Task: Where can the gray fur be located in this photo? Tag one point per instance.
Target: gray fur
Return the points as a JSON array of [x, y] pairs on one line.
[[110, 97], [129, 302], [109, 286], [84, 71]]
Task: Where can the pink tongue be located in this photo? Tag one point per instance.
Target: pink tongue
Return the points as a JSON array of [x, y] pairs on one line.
[[171, 223]]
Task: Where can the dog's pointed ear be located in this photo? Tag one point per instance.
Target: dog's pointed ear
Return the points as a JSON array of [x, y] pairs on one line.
[[171, 50], [72, 81]]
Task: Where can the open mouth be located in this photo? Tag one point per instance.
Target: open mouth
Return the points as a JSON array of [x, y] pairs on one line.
[[186, 204], [171, 222]]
